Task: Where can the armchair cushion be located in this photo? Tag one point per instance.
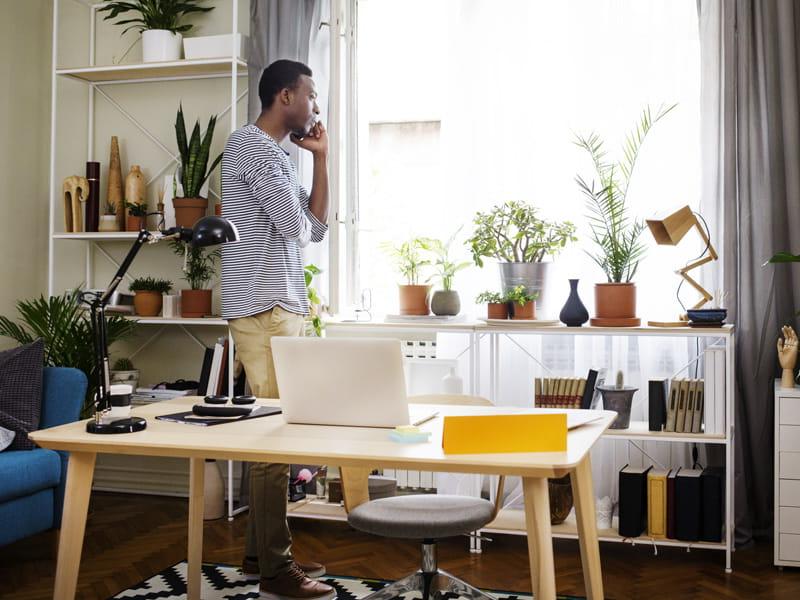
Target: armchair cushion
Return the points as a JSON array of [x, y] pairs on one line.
[[26, 472], [21, 391]]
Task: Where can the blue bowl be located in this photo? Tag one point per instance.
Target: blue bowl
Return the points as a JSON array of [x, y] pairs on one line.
[[711, 316]]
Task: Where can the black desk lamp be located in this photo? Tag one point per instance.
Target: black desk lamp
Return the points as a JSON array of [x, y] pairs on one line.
[[208, 231]]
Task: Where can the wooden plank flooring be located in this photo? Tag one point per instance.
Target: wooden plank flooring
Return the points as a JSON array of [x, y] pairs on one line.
[[129, 538]]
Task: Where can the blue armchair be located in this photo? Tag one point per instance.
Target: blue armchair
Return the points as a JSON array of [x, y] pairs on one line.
[[32, 481]]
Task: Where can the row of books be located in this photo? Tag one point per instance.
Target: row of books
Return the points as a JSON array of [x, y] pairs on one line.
[[685, 407], [565, 392], [681, 504]]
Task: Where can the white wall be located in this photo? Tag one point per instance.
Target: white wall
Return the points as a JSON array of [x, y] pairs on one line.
[[24, 142]]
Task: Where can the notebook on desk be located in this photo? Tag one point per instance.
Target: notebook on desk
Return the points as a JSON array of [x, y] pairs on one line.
[[355, 382]]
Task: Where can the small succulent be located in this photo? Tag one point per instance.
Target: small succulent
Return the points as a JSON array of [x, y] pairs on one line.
[[518, 295], [150, 284], [123, 364]]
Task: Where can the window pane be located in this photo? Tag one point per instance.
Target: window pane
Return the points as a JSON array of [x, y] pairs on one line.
[[467, 104]]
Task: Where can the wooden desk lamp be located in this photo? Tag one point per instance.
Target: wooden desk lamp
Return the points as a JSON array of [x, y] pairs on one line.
[[669, 232]]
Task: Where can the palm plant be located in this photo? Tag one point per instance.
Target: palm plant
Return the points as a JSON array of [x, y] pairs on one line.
[[200, 263], [67, 333], [614, 232], [194, 154], [408, 259], [153, 14], [445, 267]]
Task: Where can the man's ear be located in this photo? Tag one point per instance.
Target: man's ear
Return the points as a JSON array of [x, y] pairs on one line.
[[286, 96]]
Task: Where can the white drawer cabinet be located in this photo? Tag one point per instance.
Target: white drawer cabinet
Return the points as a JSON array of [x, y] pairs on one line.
[[787, 476]]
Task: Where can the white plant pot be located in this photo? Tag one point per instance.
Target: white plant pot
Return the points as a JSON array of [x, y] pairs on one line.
[[159, 45]]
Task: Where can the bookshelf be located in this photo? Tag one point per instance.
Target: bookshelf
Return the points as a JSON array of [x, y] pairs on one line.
[[91, 100], [479, 335]]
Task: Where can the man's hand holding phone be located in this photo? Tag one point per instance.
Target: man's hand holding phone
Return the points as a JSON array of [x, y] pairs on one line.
[[316, 141]]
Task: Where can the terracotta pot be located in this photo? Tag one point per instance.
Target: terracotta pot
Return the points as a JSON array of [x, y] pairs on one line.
[[615, 305], [497, 310], [134, 223], [414, 299], [523, 311], [147, 303], [195, 303], [189, 210]]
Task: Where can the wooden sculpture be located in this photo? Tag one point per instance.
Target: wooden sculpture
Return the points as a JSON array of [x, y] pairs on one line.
[[115, 197], [75, 190], [787, 355]]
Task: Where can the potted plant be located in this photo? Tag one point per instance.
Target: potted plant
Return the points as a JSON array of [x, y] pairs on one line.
[[66, 330], [521, 304], [513, 234], [136, 219], [409, 260], [108, 220], [313, 320], [615, 233], [446, 300], [159, 21], [193, 173], [149, 295], [496, 306], [619, 398], [198, 271], [123, 371]]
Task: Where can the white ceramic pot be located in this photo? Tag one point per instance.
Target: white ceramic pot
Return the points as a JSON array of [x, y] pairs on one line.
[[108, 223], [159, 45]]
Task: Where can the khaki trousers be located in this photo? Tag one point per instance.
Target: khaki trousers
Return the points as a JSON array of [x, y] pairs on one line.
[[268, 535]]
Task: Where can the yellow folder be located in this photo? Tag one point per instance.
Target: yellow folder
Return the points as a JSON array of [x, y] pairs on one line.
[[504, 433]]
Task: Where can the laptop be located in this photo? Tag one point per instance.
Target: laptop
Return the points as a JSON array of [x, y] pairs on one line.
[[355, 382]]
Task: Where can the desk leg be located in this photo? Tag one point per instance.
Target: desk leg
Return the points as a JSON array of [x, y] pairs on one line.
[[583, 494], [355, 486], [540, 543], [76, 504], [195, 550]]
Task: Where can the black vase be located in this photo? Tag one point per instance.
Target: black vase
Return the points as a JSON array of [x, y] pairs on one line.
[[574, 313]]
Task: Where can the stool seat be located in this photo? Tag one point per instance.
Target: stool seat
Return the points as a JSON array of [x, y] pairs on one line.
[[422, 516]]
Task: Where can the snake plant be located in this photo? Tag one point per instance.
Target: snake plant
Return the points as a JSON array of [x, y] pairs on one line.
[[194, 154]]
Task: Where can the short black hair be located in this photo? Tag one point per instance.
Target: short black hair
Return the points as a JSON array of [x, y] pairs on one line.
[[280, 74]]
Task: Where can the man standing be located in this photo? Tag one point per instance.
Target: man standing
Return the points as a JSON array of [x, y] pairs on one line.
[[264, 292]]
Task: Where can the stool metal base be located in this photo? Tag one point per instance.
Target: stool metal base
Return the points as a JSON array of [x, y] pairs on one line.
[[429, 581]]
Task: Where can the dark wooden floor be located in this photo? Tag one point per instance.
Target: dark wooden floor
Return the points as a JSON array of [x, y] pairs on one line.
[[129, 538]]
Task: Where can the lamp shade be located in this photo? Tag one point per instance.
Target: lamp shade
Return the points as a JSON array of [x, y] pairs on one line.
[[670, 230], [213, 230]]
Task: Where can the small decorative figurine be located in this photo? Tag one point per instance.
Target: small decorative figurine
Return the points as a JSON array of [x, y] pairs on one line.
[[787, 355], [75, 191]]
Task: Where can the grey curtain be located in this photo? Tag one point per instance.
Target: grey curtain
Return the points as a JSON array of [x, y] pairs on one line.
[[751, 198], [278, 29]]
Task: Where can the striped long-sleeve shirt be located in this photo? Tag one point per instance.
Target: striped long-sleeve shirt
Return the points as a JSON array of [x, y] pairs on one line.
[[263, 198]]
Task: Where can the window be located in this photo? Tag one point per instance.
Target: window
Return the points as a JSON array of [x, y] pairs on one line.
[[464, 104]]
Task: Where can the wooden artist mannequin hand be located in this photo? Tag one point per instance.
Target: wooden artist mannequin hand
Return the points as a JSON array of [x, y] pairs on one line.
[[787, 355]]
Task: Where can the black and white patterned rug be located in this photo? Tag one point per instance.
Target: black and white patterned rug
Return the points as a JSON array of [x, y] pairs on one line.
[[223, 582]]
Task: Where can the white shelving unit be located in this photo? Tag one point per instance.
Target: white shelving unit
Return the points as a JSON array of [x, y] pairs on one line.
[[97, 77], [511, 520], [787, 476]]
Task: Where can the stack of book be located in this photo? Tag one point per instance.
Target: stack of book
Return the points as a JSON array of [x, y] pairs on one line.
[[214, 373], [564, 392], [146, 395], [685, 406], [681, 504]]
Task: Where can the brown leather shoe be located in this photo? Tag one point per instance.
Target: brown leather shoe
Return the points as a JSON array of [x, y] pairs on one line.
[[293, 584], [251, 571]]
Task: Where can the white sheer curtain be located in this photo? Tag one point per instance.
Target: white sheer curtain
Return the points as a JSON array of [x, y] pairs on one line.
[[466, 104]]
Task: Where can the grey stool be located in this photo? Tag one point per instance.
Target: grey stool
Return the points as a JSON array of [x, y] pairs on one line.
[[428, 517]]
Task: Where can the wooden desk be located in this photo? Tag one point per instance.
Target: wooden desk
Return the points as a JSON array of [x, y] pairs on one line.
[[356, 450]]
